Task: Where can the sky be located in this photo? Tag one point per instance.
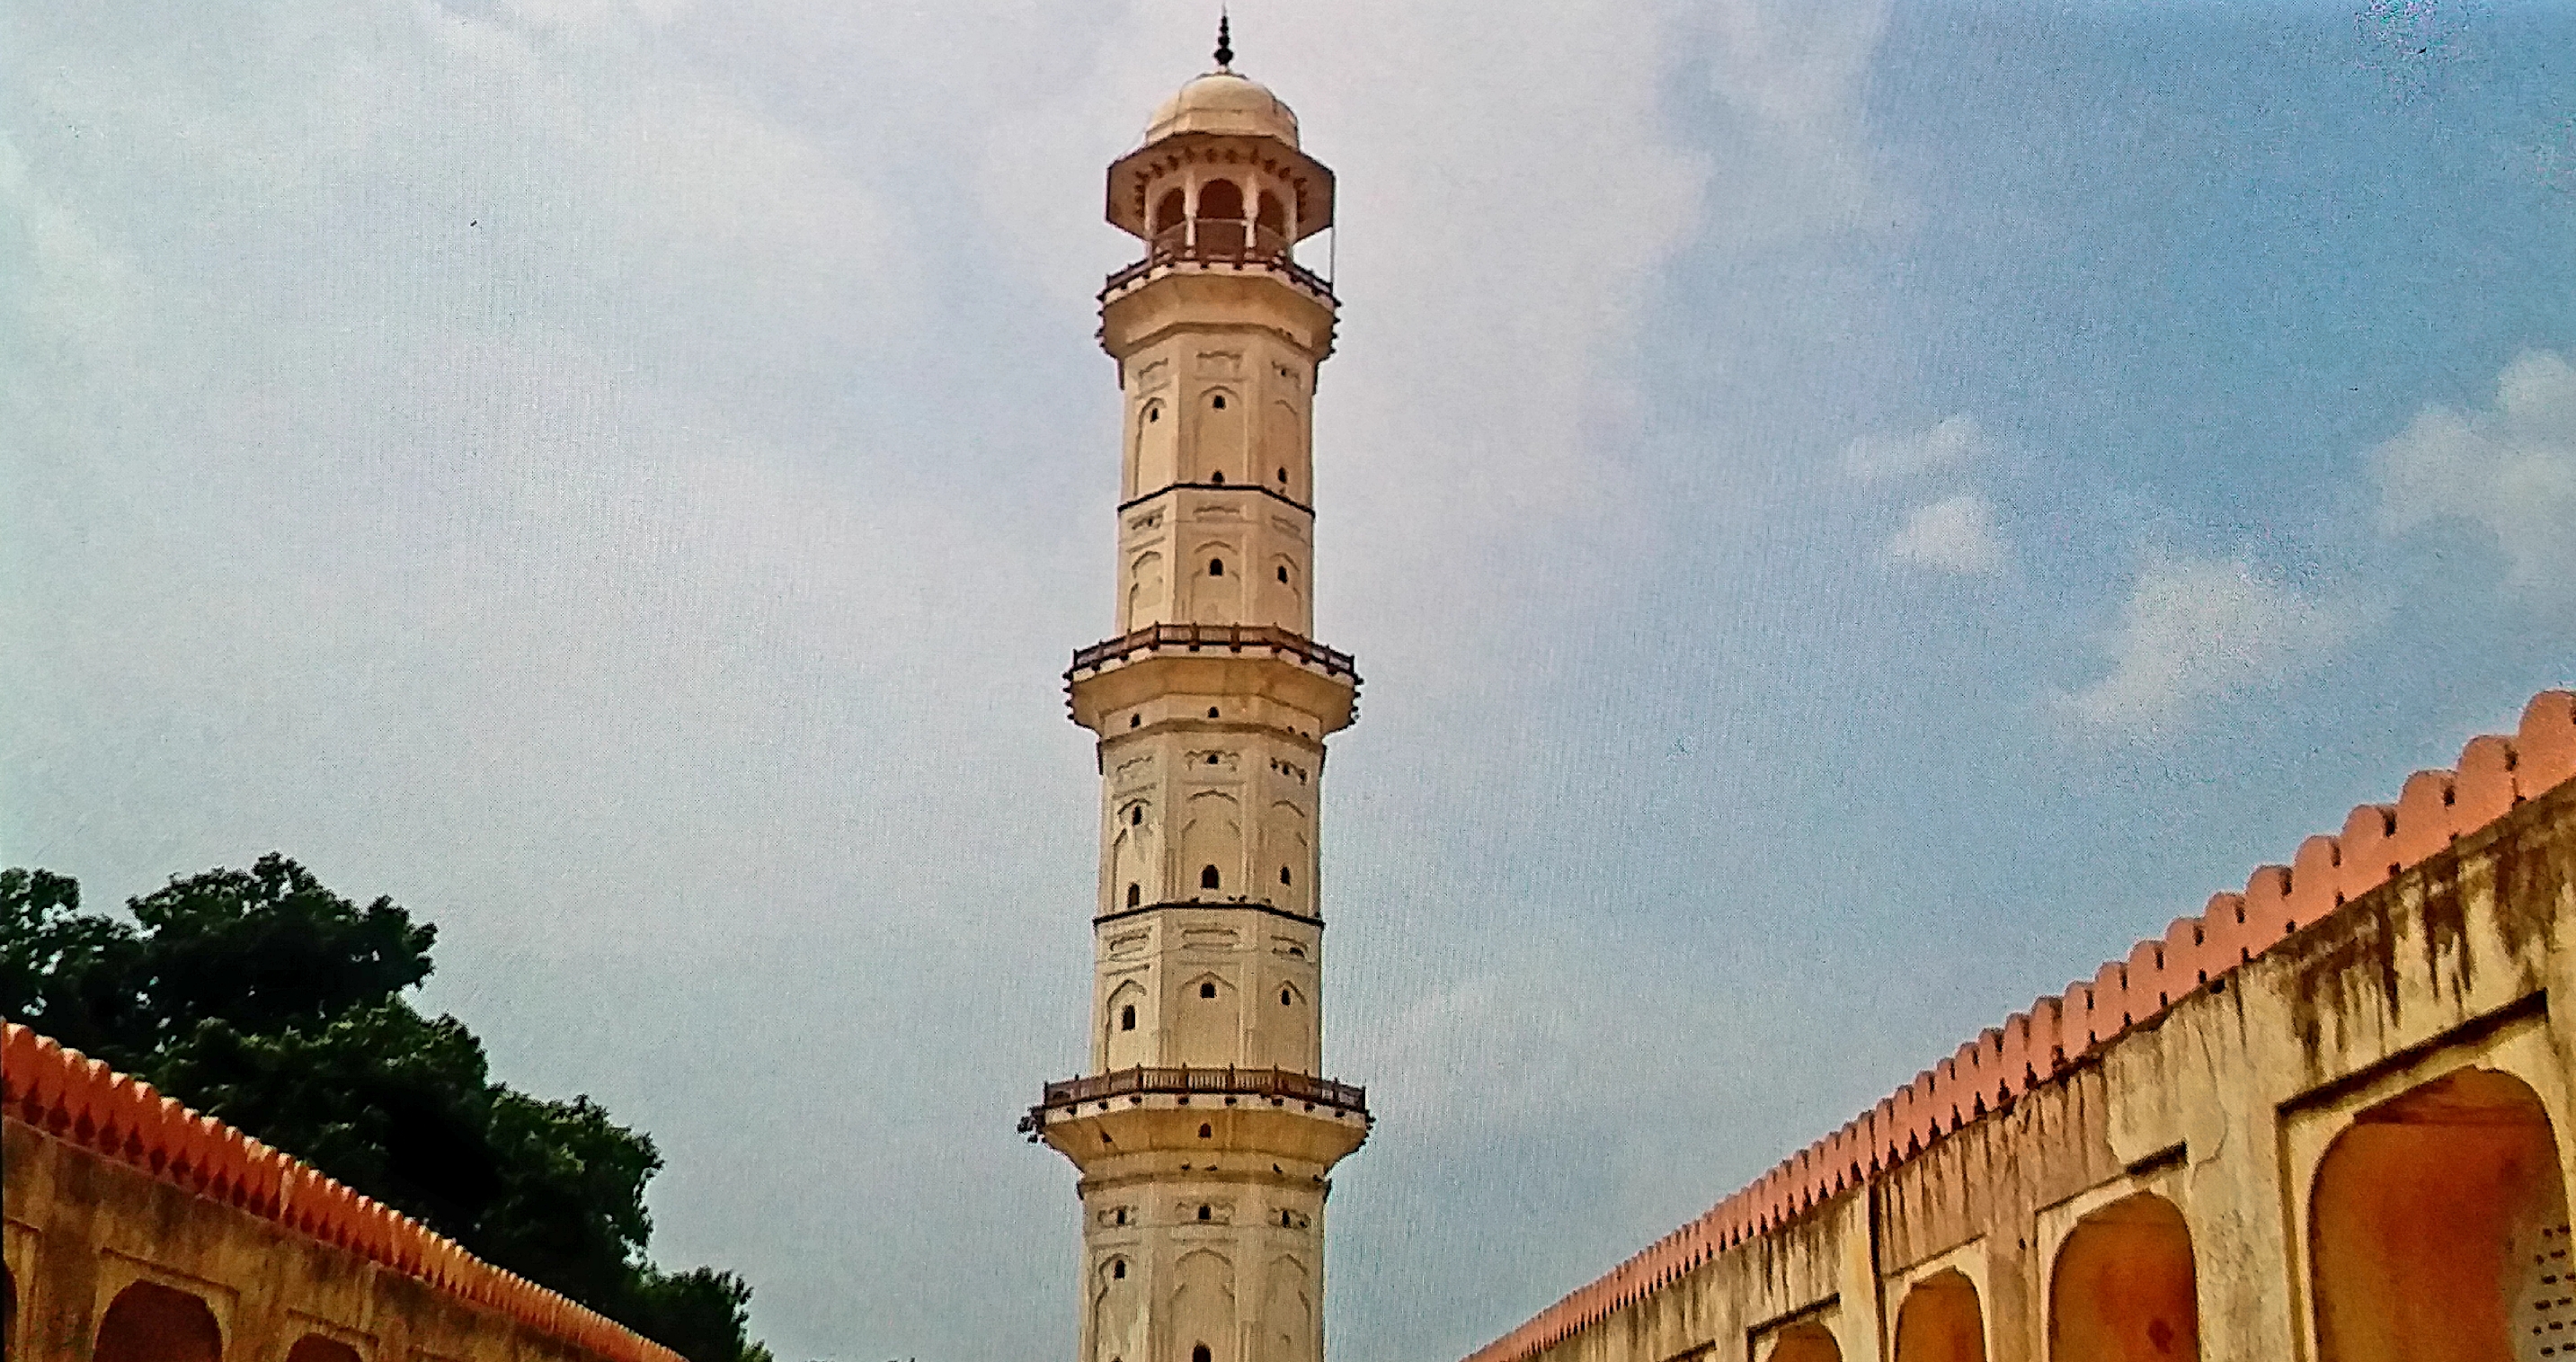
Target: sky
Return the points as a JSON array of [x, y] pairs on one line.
[[1850, 514]]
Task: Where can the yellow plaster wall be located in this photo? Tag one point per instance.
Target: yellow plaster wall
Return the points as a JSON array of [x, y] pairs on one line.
[[2225, 1106], [82, 1227]]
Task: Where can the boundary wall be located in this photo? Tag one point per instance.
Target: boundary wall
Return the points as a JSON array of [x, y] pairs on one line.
[[110, 1185], [2426, 925]]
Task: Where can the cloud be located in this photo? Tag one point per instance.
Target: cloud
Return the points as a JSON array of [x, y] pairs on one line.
[[550, 452], [1502, 415], [2509, 471], [1952, 442], [1955, 534], [1795, 75], [2198, 630]]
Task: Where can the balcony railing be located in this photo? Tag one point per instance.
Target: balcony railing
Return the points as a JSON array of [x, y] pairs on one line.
[[1201, 637], [1279, 1083], [1220, 242]]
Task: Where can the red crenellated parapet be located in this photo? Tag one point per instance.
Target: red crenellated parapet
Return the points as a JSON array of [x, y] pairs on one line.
[[77, 1099], [2376, 843]]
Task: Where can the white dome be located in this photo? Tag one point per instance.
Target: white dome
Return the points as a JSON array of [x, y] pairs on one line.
[[1224, 102]]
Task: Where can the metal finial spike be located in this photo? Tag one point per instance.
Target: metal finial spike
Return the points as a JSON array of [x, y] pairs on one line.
[[1224, 41]]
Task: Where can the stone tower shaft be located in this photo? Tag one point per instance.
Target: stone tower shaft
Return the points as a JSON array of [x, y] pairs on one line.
[[1202, 1128]]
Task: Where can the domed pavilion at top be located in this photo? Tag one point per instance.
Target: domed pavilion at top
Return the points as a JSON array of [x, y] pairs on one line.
[[1222, 101], [1220, 177]]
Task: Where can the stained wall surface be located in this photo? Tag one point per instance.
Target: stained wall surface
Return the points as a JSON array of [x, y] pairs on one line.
[[138, 1231], [2327, 1120]]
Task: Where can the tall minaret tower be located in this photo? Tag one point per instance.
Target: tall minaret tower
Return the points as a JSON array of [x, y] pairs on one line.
[[1203, 1130]]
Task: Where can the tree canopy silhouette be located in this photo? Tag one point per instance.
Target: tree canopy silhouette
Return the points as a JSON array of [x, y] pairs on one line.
[[264, 999]]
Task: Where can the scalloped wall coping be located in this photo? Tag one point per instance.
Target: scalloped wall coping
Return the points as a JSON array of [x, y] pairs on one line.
[[2378, 841], [82, 1101]]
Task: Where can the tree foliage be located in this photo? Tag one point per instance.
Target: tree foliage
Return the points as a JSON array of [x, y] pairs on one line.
[[264, 999]]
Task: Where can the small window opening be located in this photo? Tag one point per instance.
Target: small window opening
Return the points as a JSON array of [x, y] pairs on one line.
[[1118, 1270], [1283, 874], [1211, 762], [1135, 720], [1122, 1219], [1201, 1354], [1283, 477], [1217, 402], [1153, 412], [1135, 894], [1127, 1022], [1287, 1221], [1211, 711], [1207, 990], [1216, 567], [1207, 1132], [1284, 998], [1136, 816], [1283, 574], [1217, 477], [1209, 879]]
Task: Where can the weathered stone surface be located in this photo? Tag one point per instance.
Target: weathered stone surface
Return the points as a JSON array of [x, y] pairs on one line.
[[2326, 1119], [140, 1231]]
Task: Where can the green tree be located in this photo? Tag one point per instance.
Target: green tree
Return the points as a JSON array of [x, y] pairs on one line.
[[65, 972], [264, 999]]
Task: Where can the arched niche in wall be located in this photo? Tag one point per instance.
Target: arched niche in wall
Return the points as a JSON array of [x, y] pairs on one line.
[[1283, 449], [1286, 584], [1217, 576], [1134, 859], [1806, 1342], [2438, 1228], [1146, 591], [1115, 1318], [2123, 1289], [149, 1322], [1126, 1028], [1288, 1313], [1221, 223], [1207, 1022], [1212, 835], [1270, 218], [1290, 1030], [1203, 1306], [1941, 1321], [316, 1348], [1158, 432], [1290, 883], [1216, 439]]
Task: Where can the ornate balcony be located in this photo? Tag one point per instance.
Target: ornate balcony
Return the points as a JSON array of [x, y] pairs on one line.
[[1218, 243], [1205, 637], [1281, 1085]]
